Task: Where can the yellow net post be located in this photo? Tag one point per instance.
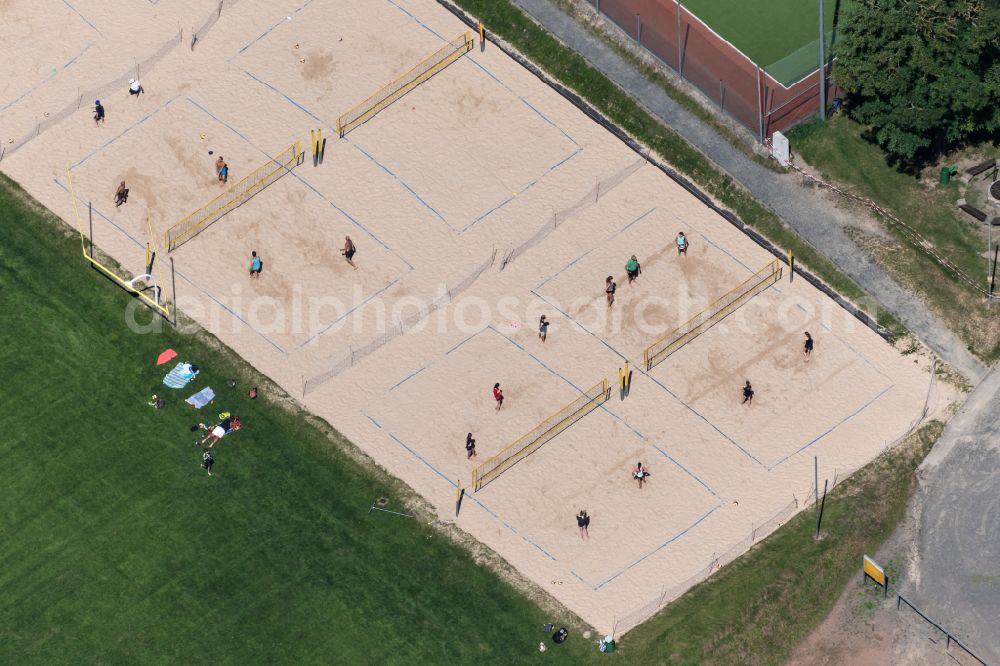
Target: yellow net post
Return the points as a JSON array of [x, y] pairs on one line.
[[125, 283]]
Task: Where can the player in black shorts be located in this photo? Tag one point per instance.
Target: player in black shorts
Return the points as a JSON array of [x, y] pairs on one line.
[[808, 347], [583, 522], [470, 446], [748, 394]]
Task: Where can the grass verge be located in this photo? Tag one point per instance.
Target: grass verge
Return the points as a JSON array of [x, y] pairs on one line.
[[757, 609], [838, 151], [116, 547], [569, 68]]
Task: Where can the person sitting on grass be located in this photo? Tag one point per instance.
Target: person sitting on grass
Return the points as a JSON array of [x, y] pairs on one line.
[[226, 426]]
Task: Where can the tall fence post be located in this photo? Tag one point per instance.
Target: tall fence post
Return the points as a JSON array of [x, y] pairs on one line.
[[638, 30], [760, 108], [680, 46]]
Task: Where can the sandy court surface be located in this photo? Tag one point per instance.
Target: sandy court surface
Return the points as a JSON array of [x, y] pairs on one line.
[[39, 61], [469, 165]]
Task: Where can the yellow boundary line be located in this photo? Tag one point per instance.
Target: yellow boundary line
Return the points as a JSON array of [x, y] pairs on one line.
[[479, 478]]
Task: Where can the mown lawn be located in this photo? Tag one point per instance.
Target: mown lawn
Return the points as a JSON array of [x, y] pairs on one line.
[[838, 151], [116, 547]]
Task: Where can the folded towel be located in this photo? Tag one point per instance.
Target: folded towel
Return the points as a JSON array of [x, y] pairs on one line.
[[180, 375], [201, 398]]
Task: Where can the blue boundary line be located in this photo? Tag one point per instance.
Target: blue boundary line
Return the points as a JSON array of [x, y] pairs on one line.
[[348, 313], [268, 31], [835, 426], [82, 17], [418, 21], [451, 483], [399, 180], [658, 548], [46, 79], [292, 101], [625, 228], [389, 171], [309, 185], [184, 277], [124, 132], [537, 292], [213, 298], [522, 190], [407, 378], [686, 470], [571, 384]]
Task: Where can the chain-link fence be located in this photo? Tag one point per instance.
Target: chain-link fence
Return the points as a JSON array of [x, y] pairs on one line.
[[743, 90], [354, 355], [600, 189], [761, 531], [119, 83]]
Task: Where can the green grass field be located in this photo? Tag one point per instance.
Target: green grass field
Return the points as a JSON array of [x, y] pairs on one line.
[[779, 35], [116, 547]]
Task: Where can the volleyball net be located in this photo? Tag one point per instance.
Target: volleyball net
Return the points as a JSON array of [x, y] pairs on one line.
[[234, 196], [392, 91], [510, 455], [713, 314]]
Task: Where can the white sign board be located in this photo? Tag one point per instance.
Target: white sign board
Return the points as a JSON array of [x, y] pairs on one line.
[[779, 148]]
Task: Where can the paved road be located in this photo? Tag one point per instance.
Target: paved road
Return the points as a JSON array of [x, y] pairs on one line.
[[957, 578], [794, 204]]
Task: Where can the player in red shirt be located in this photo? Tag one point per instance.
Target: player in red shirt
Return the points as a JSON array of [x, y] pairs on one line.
[[498, 395]]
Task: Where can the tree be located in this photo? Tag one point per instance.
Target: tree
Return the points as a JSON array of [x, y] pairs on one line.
[[922, 75]]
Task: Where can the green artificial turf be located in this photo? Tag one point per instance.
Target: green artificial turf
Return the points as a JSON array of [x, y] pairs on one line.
[[782, 36], [116, 547]]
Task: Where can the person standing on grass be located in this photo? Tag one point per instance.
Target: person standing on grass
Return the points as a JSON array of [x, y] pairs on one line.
[[498, 395], [639, 474], [207, 460], [349, 250], [747, 394], [543, 328], [633, 269], [470, 446], [609, 290], [98, 112], [222, 169], [121, 194], [255, 265], [807, 349], [682, 244], [583, 522]]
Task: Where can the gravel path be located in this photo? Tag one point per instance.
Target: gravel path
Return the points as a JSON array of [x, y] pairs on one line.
[[795, 205]]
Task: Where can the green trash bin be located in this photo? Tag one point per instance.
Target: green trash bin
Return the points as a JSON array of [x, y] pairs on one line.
[[607, 644], [946, 174]]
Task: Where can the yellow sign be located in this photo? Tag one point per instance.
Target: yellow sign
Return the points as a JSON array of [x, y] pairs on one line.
[[874, 571]]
